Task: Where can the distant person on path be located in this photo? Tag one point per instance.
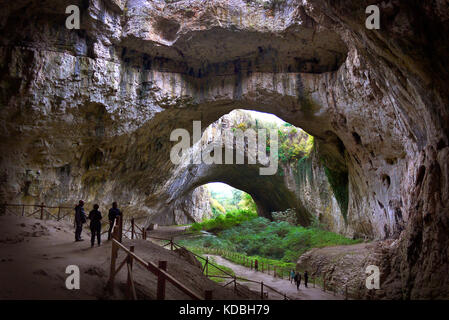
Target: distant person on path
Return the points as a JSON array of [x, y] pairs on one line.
[[292, 275], [306, 278], [297, 280], [114, 212], [80, 219], [95, 225], [256, 265]]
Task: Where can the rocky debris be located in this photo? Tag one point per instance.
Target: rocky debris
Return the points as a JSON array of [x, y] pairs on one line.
[[344, 268]]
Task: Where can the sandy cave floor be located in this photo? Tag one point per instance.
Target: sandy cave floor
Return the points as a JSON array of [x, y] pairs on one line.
[[34, 255]]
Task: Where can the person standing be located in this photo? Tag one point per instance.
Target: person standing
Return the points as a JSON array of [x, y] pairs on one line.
[[80, 219], [297, 280], [95, 225], [292, 275], [114, 212], [306, 278]]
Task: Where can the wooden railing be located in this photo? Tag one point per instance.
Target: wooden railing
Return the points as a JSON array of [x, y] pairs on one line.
[[43, 212], [40, 210], [280, 272], [158, 270], [264, 288]]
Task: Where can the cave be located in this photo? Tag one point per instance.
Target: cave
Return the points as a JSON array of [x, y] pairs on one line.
[[92, 110]]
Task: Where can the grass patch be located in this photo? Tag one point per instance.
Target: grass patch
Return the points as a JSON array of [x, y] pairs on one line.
[[278, 241], [222, 222], [215, 269]]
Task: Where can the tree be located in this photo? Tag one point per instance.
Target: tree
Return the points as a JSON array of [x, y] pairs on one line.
[[236, 197]]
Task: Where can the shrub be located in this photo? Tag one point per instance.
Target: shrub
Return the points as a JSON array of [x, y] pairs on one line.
[[222, 222]]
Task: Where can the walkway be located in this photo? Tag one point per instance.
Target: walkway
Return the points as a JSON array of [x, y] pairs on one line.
[[281, 285]]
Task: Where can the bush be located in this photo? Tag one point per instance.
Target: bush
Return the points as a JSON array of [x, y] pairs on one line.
[[244, 232], [222, 222]]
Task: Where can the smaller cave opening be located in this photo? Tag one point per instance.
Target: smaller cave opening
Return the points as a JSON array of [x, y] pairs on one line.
[[225, 199]]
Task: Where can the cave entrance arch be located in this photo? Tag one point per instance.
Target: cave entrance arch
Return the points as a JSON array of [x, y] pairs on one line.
[[271, 193]]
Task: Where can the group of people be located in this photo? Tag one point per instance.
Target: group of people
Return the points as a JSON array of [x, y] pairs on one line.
[[296, 276], [95, 218]]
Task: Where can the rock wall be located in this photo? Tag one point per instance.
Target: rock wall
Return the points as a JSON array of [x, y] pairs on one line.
[[308, 179]]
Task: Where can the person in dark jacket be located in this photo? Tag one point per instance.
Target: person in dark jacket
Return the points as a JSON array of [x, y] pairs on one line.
[[80, 219], [114, 212], [95, 225], [306, 278], [297, 280]]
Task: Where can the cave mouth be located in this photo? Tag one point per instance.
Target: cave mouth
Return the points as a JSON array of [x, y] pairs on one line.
[[224, 199], [270, 193]]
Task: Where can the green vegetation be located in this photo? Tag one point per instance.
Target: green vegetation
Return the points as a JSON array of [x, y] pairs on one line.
[[339, 184], [304, 168], [293, 143], [270, 240], [247, 203], [222, 203], [221, 222], [213, 270], [282, 268], [216, 207]]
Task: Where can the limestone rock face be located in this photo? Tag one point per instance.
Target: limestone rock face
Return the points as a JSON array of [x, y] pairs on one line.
[[315, 195], [344, 268], [88, 113]]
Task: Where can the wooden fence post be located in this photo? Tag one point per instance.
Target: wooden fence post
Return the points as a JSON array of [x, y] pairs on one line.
[[161, 281], [132, 228], [42, 211], [261, 290], [120, 229], [346, 292], [113, 260], [171, 244], [208, 295], [324, 283], [129, 279]]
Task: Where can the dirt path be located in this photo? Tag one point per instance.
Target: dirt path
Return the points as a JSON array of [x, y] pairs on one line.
[[167, 232], [310, 293], [281, 285]]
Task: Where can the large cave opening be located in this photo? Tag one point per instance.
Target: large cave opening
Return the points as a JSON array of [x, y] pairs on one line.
[[281, 189]]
